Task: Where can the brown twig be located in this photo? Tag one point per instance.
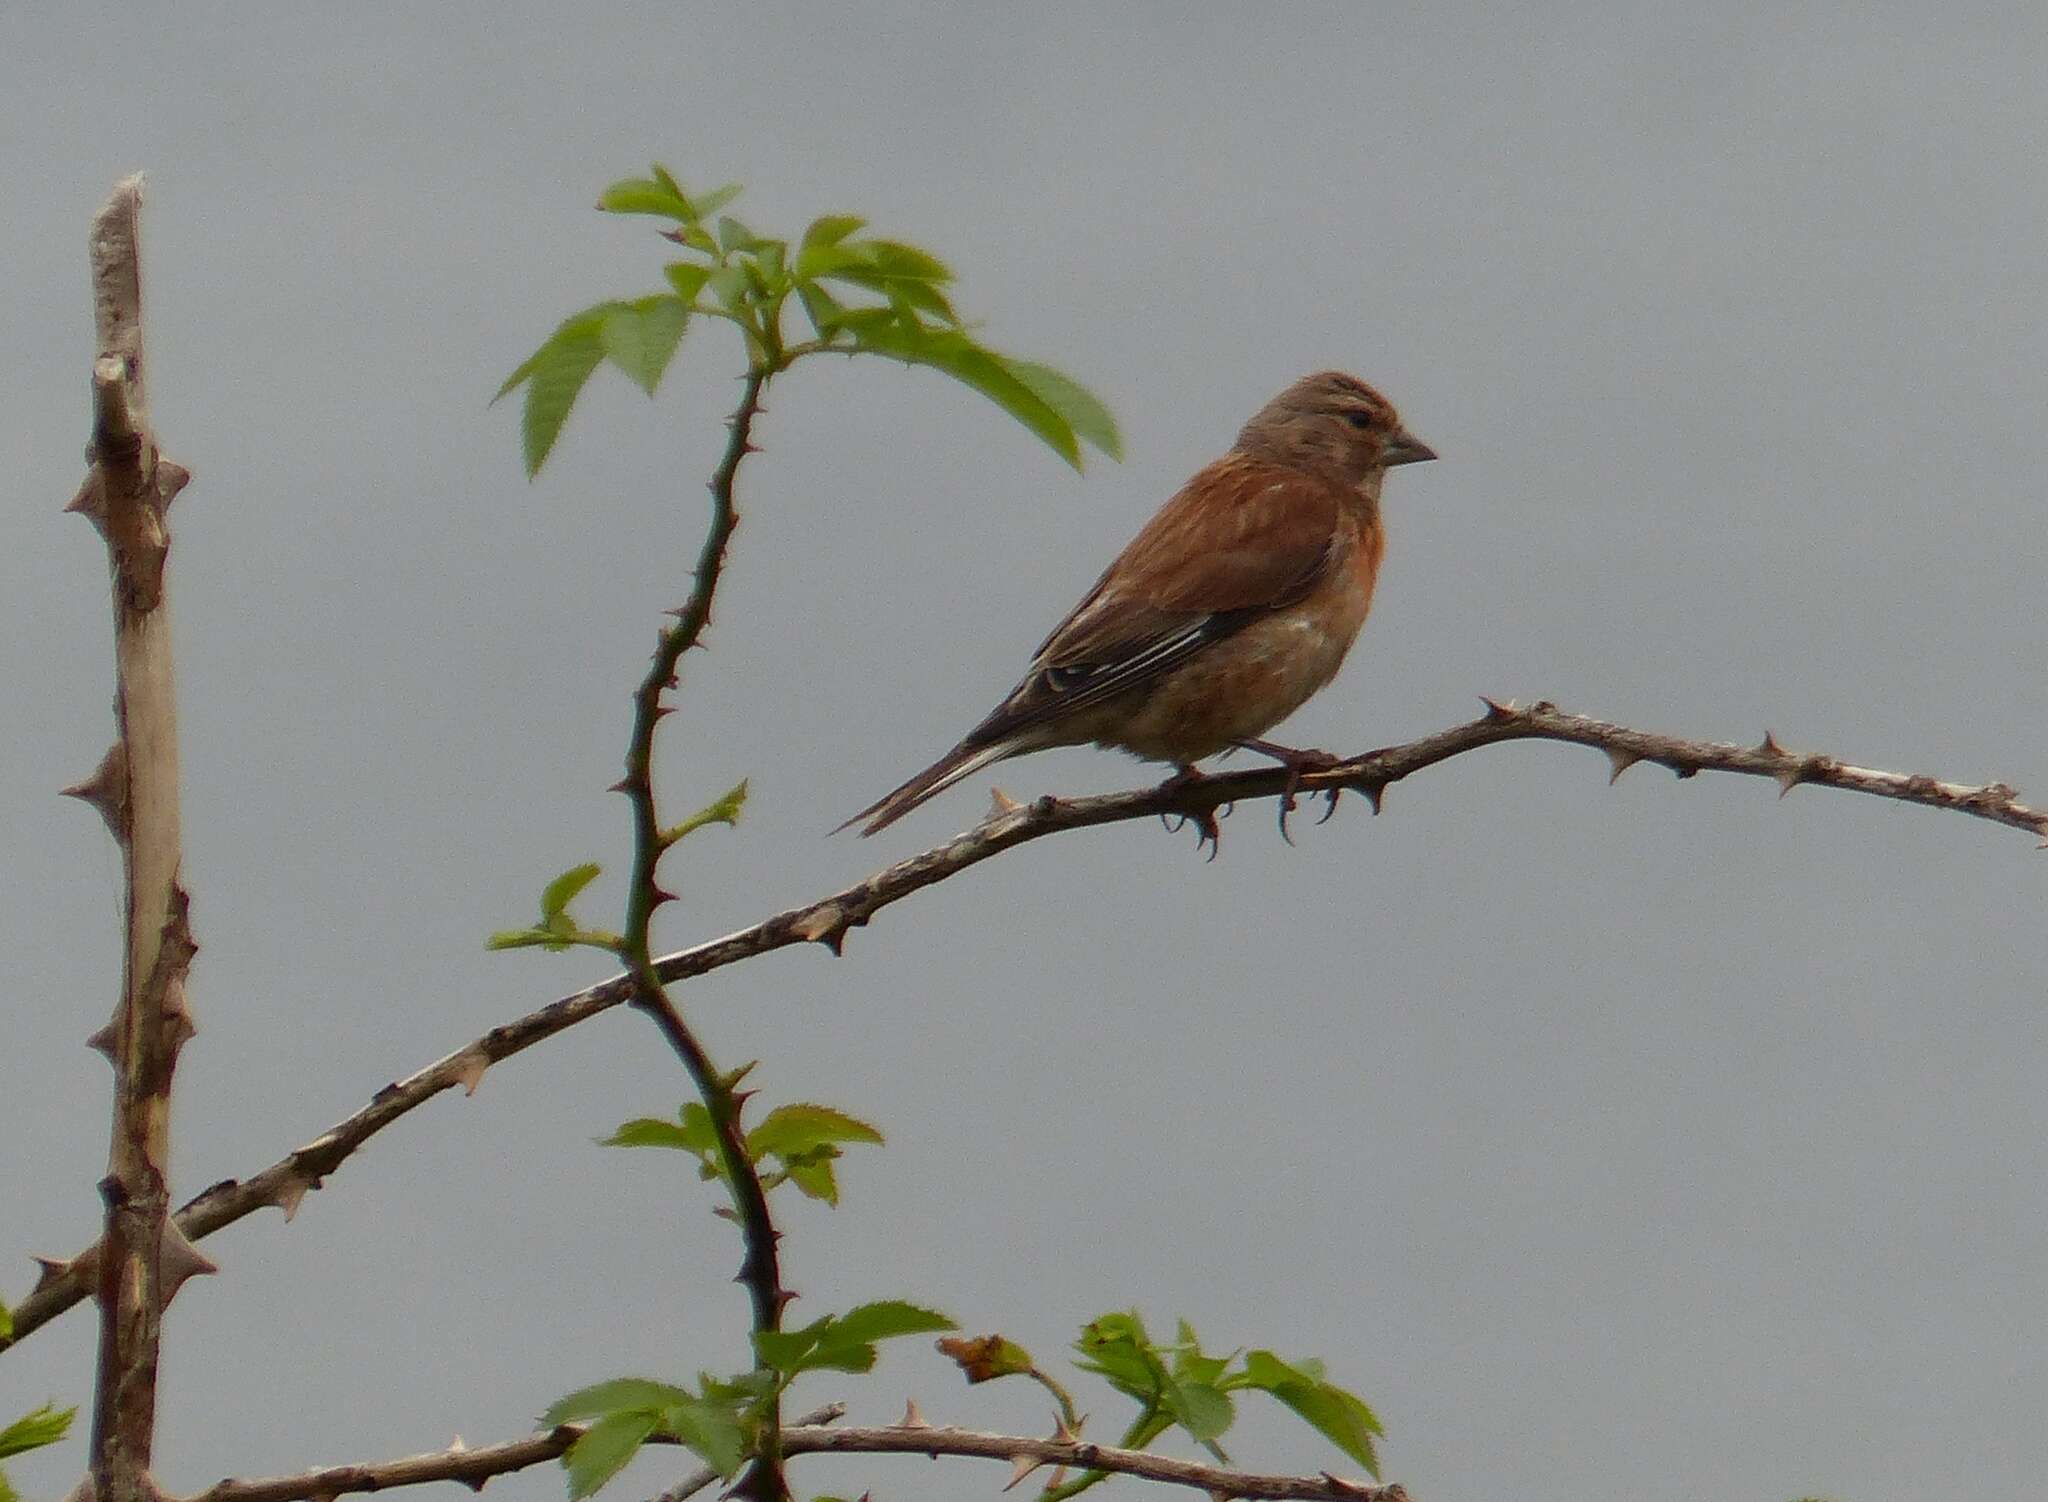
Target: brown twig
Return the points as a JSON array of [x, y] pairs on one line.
[[1023, 1453], [760, 1269], [827, 920], [135, 788]]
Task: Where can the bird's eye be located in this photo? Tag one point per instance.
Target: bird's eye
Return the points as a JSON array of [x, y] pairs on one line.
[[1360, 418]]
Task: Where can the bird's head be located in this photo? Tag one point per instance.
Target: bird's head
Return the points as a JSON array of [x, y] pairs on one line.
[[1335, 424]]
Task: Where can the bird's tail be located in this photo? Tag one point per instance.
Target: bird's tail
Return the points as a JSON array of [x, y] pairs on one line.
[[964, 760]]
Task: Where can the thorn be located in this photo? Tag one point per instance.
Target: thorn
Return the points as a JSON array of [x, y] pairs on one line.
[[48, 1270], [621, 786], [1374, 793], [102, 1042], [1065, 1435], [469, 1068], [1789, 778], [1621, 761], [177, 1260], [290, 1194], [662, 711], [816, 924], [456, 1446], [912, 1419], [106, 789], [1020, 1467], [1000, 803], [1498, 712], [660, 893], [1769, 746]]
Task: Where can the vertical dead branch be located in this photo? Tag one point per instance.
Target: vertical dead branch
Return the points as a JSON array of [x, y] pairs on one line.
[[143, 1256]]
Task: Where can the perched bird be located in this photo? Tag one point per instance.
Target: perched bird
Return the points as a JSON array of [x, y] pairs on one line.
[[1233, 605]]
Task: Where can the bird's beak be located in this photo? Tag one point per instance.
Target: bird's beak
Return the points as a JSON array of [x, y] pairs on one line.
[[1405, 448]]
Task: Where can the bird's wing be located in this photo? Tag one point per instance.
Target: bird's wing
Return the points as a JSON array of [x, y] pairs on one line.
[[1241, 539]]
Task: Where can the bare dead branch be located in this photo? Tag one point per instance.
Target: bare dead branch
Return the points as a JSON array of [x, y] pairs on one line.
[[827, 920], [145, 1257], [475, 1467]]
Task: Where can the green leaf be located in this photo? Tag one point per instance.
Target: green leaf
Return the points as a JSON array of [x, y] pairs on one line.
[[563, 890], [687, 277], [603, 1449], [6, 1321], [601, 1398], [886, 1320], [769, 255], [554, 376], [824, 310], [846, 1342], [965, 361], [1204, 1411], [897, 259], [640, 337], [723, 810], [1084, 412], [650, 1131], [829, 229], [729, 285], [733, 235], [814, 1176], [1116, 1348], [794, 1129], [708, 203], [35, 1429], [640, 195], [713, 1430], [1341, 1417]]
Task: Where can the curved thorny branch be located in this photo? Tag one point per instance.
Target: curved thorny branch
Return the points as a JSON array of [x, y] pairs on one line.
[[827, 920], [1022, 1453]]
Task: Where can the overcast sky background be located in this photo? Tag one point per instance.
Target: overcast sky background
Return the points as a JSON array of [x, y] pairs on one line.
[[1668, 1140]]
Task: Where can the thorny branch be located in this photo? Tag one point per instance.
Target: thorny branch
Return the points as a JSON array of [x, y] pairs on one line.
[[1024, 1454], [759, 1267], [285, 1182]]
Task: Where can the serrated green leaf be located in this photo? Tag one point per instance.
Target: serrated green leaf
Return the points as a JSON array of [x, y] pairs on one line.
[[650, 1131], [1340, 1416], [797, 1127], [829, 229], [559, 893], [641, 195], [603, 1449], [640, 337], [897, 259], [961, 358], [769, 255], [601, 1398], [1206, 1412], [687, 277], [554, 377], [815, 1177], [786, 1350], [885, 1319], [1083, 411], [713, 1430], [35, 1429]]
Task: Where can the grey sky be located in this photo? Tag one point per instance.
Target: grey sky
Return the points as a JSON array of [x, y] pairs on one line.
[[1666, 1140]]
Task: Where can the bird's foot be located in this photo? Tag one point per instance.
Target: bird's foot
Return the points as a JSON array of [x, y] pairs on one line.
[[1206, 830], [1299, 764]]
